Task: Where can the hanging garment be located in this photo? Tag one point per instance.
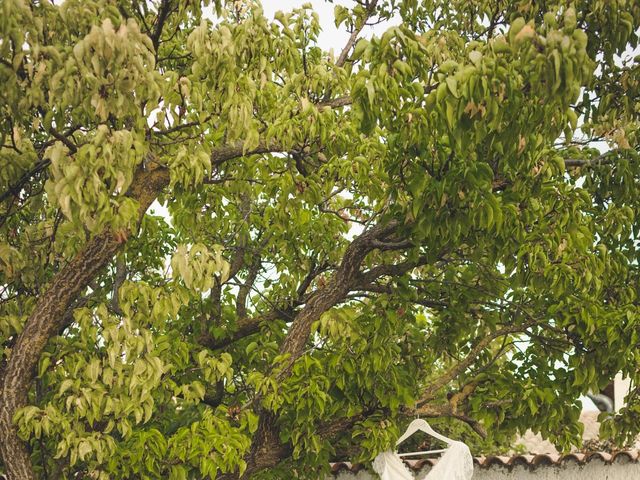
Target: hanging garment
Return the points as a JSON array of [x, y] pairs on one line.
[[455, 464]]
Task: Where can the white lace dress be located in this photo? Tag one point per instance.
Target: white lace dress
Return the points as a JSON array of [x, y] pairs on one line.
[[455, 464]]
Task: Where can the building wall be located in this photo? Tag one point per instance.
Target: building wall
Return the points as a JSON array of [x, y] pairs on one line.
[[591, 471], [621, 387], [595, 470]]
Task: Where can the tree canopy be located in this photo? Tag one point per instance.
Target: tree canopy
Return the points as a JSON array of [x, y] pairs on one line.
[[227, 251]]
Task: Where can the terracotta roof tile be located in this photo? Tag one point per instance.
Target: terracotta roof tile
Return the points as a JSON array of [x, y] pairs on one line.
[[540, 453], [532, 461]]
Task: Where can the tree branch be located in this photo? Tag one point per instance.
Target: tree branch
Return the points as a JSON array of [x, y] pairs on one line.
[[437, 411], [179, 127], [294, 343], [224, 153], [17, 187], [44, 322], [337, 288], [120, 276], [353, 38], [245, 288], [163, 13], [603, 159], [46, 317], [390, 245], [432, 390], [244, 327], [388, 270], [335, 103]]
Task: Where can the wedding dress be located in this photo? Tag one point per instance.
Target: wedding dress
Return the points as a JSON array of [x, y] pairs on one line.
[[455, 464]]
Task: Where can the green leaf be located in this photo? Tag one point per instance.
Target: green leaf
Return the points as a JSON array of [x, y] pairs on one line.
[[452, 84]]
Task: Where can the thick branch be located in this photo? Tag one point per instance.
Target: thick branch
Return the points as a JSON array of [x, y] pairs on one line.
[[49, 312], [338, 287], [432, 390], [368, 278], [391, 245], [335, 103], [46, 317], [335, 291], [224, 153]]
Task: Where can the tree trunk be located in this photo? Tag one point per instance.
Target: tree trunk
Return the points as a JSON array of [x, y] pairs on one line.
[[46, 319]]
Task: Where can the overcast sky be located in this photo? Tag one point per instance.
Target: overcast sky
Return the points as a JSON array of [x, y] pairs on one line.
[[330, 38]]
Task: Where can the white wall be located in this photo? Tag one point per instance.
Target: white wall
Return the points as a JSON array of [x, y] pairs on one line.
[[594, 470], [621, 387]]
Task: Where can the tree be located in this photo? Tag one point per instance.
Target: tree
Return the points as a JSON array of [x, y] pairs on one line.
[[440, 221]]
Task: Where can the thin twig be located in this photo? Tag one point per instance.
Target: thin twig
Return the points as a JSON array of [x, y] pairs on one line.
[[353, 38]]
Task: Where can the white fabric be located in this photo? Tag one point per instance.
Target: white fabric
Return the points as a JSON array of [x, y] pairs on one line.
[[455, 464], [391, 467]]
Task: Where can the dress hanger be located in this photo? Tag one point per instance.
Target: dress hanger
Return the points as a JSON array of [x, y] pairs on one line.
[[423, 426], [456, 463]]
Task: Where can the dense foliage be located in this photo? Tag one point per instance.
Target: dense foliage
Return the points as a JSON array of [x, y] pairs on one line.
[[441, 220]]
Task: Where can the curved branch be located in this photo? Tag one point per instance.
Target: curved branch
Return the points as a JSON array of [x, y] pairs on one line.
[[340, 284], [45, 320], [46, 317], [432, 390]]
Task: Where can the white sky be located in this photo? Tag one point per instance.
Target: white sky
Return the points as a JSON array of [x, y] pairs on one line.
[[330, 37]]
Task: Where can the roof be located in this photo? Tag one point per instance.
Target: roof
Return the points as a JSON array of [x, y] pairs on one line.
[[535, 444], [540, 452], [531, 461]]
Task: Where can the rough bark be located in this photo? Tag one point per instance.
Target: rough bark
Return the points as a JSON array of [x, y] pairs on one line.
[[49, 312], [266, 448], [336, 290], [45, 320], [47, 316]]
